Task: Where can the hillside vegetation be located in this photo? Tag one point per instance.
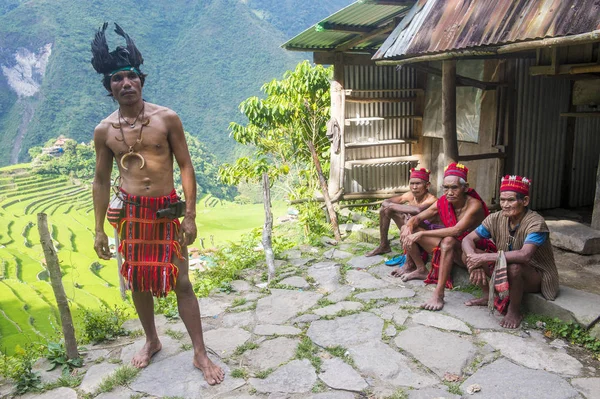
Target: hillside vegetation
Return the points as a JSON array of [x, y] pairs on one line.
[[202, 58]]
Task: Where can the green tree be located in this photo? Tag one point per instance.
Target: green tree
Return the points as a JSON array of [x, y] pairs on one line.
[[287, 130]]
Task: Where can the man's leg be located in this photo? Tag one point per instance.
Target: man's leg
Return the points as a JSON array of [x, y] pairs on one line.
[[450, 253], [521, 279], [144, 305], [189, 310], [419, 271], [485, 288], [385, 216]]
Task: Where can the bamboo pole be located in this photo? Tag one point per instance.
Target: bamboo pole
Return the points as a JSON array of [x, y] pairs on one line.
[[59, 292], [268, 227]]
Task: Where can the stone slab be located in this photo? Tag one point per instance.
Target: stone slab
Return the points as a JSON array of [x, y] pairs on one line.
[[158, 379], [338, 307], [595, 331], [378, 360], [589, 387], [241, 286], [298, 376], [282, 305], [350, 227], [42, 366], [339, 375], [332, 395], [574, 236], [505, 380], [346, 331], [160, 321], [364, 262], [275, 329], [384, 273], [292, 254], [532, 353], [440, 321], [300, 262], [340, 294], [210, 307], [272, 353], [58, 393], [326, 274], [395, 293], [117, 393], [169, 348], [224, 340], [238, 319], [94, 376], [570, 305], [295, 281], [335, 253], [430, 393], [442, 352], [364, 280], [477, 316]]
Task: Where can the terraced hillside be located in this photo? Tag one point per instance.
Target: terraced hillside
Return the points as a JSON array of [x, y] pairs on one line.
[[27, 305]]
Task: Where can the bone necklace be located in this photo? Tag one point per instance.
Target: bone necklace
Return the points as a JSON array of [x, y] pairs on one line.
[[131, 151]]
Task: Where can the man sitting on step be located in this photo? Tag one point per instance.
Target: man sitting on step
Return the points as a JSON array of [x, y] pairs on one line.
[[402, 207], [528, 265]]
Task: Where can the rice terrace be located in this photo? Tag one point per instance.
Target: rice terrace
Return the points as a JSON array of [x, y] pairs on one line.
[[28, 310]]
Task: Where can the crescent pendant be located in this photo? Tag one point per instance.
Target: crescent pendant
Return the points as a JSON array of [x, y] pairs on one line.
[[143, 161]]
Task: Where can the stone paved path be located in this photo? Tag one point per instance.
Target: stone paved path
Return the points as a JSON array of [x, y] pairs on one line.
[[336, 326]]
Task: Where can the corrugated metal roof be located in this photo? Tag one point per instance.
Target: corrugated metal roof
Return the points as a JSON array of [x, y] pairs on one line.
[[363, 15], [436, 26]]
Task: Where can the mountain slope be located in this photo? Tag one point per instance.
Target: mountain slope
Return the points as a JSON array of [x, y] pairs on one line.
[[202, 58]]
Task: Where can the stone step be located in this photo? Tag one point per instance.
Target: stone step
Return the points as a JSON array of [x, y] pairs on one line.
[[574, 236]]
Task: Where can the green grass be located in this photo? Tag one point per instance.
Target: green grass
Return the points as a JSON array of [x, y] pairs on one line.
[[27, 303]]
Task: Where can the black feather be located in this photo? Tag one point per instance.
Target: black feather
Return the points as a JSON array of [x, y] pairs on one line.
[[135, 57], [104, 61], [100, 54]]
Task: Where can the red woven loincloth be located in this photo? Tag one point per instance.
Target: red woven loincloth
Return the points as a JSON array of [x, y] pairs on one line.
[[148, 244], [448, 218]]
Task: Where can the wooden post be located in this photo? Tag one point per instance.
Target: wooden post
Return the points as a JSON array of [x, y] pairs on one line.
[[56, 280], [323, 183], [268, 227], [449, 111], [336, 168], [568, 151], [596, 211]]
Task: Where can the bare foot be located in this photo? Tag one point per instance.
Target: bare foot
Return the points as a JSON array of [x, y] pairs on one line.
[[477, 302], [512, 320], [415, 275], [213, 374], [142, 358], [435, 303], [399, 271], [379, 250]]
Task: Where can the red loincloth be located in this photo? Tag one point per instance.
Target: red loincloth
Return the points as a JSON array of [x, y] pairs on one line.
[[148, 244], [448, 218]]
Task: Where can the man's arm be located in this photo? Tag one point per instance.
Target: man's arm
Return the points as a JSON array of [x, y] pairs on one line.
[[101, 189], [468, 220], [426, 214], [188, 177]]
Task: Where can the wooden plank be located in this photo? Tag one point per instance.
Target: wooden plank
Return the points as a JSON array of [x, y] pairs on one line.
[[375, 194], [449, 111], [378, 161], [369, 100], [382, 118], [379, 143], [349, 92], [476, 157], [581, 114]]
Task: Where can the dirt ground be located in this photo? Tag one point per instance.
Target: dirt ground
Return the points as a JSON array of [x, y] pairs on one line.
[[578, 271]]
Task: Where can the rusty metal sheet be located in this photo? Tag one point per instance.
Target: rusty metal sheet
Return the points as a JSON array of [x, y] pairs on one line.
[[436, 26]]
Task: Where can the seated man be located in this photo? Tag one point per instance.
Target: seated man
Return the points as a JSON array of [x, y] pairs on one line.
[[460, 210], [402, 207], [523, 236]]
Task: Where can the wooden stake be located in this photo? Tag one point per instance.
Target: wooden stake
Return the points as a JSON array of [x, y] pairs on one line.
[[268, 227], [449, 111], [59, 292]]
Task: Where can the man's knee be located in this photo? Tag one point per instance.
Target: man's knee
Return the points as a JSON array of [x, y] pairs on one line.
[[183, 285], [514, 271], [448, 244]]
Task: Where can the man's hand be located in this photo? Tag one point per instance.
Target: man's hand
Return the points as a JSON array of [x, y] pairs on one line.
[[188, 231], [478, 277], [410, 239], [101, 246], [476, 261]]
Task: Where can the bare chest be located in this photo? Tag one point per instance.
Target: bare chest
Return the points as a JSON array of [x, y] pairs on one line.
[[147, 140]]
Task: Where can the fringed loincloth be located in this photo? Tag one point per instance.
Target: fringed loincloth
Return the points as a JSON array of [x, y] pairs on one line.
[[148, 244]]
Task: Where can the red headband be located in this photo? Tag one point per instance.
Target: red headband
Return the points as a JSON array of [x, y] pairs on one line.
[[515, 183], [456, 169], [422, 174]]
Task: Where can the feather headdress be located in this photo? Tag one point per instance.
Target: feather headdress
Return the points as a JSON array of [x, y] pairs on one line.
[[106, 62]]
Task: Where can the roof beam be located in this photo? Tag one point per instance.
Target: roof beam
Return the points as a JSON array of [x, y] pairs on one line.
[[460, 80], [406, 3], [343, 28]]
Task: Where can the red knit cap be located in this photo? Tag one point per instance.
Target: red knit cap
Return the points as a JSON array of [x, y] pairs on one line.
[[456, 169], [422, 174], [515, 183]]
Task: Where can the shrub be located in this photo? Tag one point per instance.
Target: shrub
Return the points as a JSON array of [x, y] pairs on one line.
[[19, 369], [57, 355], [104, 324]]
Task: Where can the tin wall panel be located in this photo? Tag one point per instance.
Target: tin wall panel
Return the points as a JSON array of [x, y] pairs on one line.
[[538, 143], [586, 151], [391, 176]]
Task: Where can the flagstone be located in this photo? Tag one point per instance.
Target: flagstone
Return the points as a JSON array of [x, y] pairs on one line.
[[295, 281], [326, 274], [169, 348], [345, 331], [589, 387], [364, 262], [58, 393], [440, 321], [298, 376], [364, 280], [338, 307], [532, 353], [224, 340], [282, 305], [274, 329], [339, 375], [94, 376], [272, 353], [394, 293], [335, 253], [340, 294], [239, 319]]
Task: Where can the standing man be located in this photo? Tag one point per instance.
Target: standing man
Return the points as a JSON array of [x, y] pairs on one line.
[[460, 210], [402, 207], [524, 237], [143, 138]]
